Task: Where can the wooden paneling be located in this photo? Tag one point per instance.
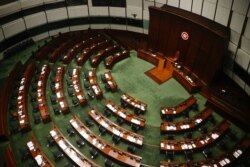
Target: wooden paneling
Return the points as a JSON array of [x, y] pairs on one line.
[[201, 53]]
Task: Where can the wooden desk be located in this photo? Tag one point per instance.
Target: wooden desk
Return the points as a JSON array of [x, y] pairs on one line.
[[114, 129], [59, 90], [110, 81], [129, 117], [22, 104], [226, 159], [107, 149], [186, 124], [112, 60], [77, 87], [134, 102], [178, 109], [76, 156], [91, 50], [85, 41], [41, 93], [94, 84], [191, 85], [5, 94], [37, 153], [198, 143], [148, 56], [102, 54]]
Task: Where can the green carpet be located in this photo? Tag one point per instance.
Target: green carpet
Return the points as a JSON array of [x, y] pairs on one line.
[[130, 77]]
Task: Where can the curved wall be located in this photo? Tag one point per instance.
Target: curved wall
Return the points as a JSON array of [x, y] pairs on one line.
[[39, 19]]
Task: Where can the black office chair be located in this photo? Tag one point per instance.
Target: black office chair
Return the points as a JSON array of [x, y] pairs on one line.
[[170, 137], [116, 139], [102, 130], [80, 142], [120, 120], [70, 131], [58, 155], [108, 163], [93, 152], [207, 153], [71, 92], [135, 128], [37, 118], [50, 141], [75, 101], [53, 99], [88, 122], [188, 155], [170, 155], [107, 112], [24, 152], [56, 110], [188, 135], [131, 149]]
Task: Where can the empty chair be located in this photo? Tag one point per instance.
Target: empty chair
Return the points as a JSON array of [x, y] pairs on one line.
[[80, 142], [50, 141], [24, 152], [222, 145], [75, 101], [116, 139], [93, 152], [70, 165], [35, 107], [188, 135], [102, 130], [124, 104], [89, 122], [186, 114], [56, 110], [120, 120], [170, 136], [212, 120], [103, 78], [195, 107], [170, 155], [53, 99], [107, 112], [70, 131], [57, 155], [137, 111], [207, 152], [71, 92], [107, 87], [108, 163], [188, 155], [203, 129], [135, 128], [69, 83], [37, 118], [232, 135], [90, 94], [131, 149], [86, 85], [169, 118]]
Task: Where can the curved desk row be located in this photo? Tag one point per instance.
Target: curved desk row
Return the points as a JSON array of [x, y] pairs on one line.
[[77, 86], [186, 124], [43, 51], [110, 61], [37, 154], [41, 92], [115, 129], [109, 80], [198, 143], [22, 103], [124, 114], [226, 159], [6, 90], [134, 103], [106, 148], [76, 156], [89, 51], [102, 54], [179, 108], [84, 41], [94, 84], [59, 90]]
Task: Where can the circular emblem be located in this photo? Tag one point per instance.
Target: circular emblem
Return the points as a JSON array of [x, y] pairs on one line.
[[184, 35]]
